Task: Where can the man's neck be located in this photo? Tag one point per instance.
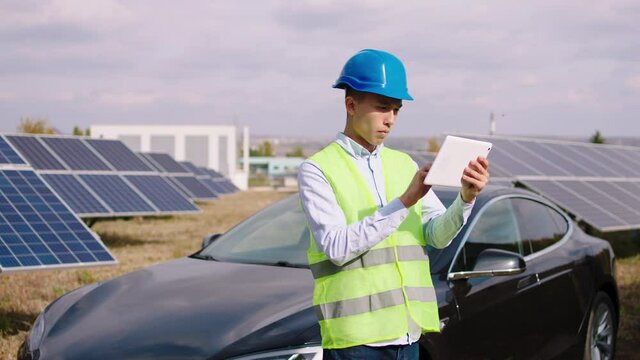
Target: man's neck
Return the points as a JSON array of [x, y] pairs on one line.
[[359, 140]]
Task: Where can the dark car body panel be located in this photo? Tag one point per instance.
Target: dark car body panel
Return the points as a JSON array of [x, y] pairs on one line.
[[194, 308]]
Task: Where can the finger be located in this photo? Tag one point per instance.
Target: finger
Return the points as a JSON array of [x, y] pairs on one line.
[[474, 174], [475, 184], [483, 161], [480, 167]]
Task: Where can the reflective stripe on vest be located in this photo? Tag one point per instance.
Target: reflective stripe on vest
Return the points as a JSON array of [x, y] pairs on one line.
[[369, 298], [372, 302], [370, 258]]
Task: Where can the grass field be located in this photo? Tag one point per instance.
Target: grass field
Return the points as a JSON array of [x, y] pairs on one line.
[[139, 243]]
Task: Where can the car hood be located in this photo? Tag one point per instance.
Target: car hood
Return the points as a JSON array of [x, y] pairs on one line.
[[186, 308]]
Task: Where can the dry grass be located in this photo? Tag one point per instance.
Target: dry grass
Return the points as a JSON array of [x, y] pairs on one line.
[[142, 242], [136, 243], [628, 274]]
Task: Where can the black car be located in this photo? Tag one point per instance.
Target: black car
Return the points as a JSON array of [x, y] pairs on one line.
[[520, 281]]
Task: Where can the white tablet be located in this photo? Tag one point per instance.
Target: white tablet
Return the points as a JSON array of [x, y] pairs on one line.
[[454, 155]]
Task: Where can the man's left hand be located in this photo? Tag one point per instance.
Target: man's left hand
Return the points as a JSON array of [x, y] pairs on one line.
[[474, 178]]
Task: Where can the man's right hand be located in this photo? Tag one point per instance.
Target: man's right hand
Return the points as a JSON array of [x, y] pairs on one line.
[[416, 189]]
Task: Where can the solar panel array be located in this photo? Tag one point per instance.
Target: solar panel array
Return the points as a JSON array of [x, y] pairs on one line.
[[37, 229], [598, 184], [181, 177], [211, 178], [101, 178]]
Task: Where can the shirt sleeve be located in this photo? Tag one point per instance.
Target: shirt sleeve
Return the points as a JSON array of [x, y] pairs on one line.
[[442, 225], [340, 241]]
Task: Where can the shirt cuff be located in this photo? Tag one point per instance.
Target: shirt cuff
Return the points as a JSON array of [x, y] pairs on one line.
[[396, 208]]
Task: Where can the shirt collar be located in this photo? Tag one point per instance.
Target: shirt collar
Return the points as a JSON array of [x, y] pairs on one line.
[[354, 149]]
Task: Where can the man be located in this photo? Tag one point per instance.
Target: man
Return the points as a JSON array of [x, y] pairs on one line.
[[371, 217]]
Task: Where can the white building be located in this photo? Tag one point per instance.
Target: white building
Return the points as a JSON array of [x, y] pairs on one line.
[[212, 146]]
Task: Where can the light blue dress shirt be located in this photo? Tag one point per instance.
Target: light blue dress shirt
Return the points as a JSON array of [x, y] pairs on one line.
[[342, 243]]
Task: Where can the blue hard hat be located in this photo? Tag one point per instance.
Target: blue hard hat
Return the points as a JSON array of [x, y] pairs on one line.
[[377, 72]]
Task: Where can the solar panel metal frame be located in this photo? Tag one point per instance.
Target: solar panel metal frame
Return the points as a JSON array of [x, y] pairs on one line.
[[74, 215]]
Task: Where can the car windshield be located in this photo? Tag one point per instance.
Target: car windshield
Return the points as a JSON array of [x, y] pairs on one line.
[[277, 235]]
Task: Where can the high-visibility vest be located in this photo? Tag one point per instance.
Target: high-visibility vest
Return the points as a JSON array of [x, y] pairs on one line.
[[369, 298]]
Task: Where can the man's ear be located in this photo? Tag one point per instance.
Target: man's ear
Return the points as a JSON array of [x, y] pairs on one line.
[[350, 105]]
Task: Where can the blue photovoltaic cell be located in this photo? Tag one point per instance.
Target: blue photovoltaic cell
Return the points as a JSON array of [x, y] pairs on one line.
[[196, 189], [167, 163], [150, 161], [75, 153], [119, 155], [117, 194], [213, 185], [564, 196], [75, 194], [161, 193], [214, 174], [8, 155], [193, 168], [38, 230], [35, 153], [232, 188]]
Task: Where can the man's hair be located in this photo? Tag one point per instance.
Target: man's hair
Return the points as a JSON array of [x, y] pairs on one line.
[[355, 94]]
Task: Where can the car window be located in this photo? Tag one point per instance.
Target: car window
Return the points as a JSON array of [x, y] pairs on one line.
[[279, 233], [540, 225], [496, 228]]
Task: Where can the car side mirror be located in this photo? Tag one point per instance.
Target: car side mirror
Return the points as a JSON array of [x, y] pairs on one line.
[[208, 239], [493, 262]]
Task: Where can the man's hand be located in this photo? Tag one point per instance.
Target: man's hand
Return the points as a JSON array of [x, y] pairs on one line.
[[416, 189], [474, 178]]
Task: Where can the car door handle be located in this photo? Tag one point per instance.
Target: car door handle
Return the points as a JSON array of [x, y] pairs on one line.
[[528, 281]]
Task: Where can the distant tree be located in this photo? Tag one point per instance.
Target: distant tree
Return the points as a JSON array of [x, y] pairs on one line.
[[264, 149], [35, 126], [297, 151], [433, 145], [77, 131], [597, 138]]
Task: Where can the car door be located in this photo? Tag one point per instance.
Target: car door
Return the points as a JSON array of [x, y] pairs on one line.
[[495, 312], [557, 299]]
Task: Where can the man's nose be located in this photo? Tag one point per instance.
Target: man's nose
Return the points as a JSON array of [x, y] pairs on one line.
[[390, 118]]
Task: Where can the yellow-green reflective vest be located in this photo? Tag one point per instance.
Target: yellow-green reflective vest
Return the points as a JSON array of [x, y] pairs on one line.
[[368, 299]]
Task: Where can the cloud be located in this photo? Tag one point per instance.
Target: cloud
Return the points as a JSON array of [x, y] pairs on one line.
[[270, 65]]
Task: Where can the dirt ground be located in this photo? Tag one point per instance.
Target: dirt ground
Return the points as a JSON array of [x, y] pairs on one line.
[[140, 242]]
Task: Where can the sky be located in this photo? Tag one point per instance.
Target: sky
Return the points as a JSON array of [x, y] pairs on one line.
[[556, 68]]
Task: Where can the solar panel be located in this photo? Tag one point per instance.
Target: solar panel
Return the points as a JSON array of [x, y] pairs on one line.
[[193, 168], [214, 186], [36, 154], [8, 155], [75, 194], [75, 153], [163, 195], [166, 163], [37, 230], [585, 206], [196, 189], [118, 155], [149, 161], [232, 188], [117, 194]]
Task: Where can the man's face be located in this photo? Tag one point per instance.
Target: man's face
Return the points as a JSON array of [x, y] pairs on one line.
[[372, 117]]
